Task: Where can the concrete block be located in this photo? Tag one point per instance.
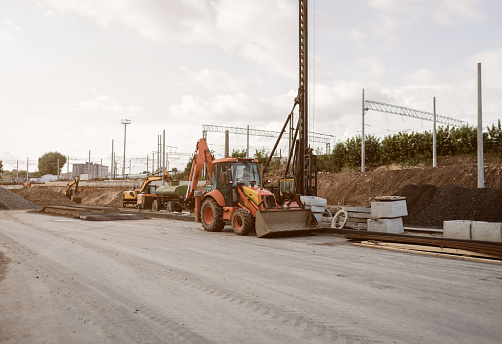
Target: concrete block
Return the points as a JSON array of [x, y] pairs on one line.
[[458, 229], [389, 209], [394, 225], [312, 200], [317, 209], [487, 231]]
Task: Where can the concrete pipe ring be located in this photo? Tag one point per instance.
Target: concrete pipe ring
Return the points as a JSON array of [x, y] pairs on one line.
[[337, 215]]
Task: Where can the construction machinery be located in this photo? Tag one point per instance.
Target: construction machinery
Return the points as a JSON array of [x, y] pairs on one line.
[[300, 177], [72, 190], [233, 195], [144, 196]]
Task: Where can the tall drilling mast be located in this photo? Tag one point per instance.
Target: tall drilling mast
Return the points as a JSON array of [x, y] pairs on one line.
[[305, 162]]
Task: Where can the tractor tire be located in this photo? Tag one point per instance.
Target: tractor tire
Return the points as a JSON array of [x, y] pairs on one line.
[[212, 216], [155, 205], [170, 206], [242, 222]]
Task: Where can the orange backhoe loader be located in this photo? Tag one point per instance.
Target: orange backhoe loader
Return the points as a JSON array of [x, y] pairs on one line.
[[234, 195]]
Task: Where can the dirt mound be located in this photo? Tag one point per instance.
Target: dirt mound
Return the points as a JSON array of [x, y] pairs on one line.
[[9, 201], [357, 189], [43, 196], [107, 197], [429, 206]]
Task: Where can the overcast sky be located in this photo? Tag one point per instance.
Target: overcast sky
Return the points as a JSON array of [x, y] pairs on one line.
[[71, 70]]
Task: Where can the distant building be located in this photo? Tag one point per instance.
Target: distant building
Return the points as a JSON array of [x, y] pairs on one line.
[[89, 171], [67, 176]]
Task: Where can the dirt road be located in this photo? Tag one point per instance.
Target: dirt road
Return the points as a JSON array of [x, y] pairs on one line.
[[164, 281]]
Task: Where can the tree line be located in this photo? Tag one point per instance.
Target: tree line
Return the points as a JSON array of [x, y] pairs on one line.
[[410, 148]]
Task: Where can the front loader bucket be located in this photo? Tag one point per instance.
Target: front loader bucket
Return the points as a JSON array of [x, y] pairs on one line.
[[271, 223]]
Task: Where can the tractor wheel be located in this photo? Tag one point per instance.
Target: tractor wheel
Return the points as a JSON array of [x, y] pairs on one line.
[[212, 216], [155, 205], [170, 206], [242, 222]]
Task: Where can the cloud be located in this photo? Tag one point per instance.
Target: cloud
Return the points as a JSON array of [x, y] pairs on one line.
[[210, 80], [371, 66], [9, 30], [102, 103], [444, 12], [491, 68], [156, 20], [261, 32]]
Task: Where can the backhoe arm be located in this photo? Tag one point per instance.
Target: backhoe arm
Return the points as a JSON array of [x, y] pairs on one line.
[[202, 156]]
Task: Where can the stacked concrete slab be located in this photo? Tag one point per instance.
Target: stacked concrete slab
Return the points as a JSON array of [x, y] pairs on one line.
[[316, 204], [357, 218], [473, 230], [387, 214]]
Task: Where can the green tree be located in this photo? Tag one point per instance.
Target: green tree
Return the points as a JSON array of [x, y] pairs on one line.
[[48, 163], [261, 155], [494, 139], [1, 167], [238, 153]]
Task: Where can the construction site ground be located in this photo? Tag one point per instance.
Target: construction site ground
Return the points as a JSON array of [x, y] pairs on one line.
[[165, 281], [160, 280]]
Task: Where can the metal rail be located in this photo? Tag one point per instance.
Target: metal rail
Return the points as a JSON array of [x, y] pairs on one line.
[[404, 111], [325, 138]]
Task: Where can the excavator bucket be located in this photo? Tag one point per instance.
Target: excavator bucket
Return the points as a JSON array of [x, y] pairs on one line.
[[270, 223]]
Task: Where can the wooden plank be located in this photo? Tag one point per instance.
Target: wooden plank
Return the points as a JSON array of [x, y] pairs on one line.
[[354, 219], [359, 215], [436, 249], [357, 209], [356, 225], [436, 254]]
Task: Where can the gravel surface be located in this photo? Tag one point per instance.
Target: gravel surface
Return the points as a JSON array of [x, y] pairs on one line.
[[11, 201], [166, 281]]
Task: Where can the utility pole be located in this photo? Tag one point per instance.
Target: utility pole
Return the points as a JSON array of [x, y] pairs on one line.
[[125, 122], [363, 147], [89, 167], [434, 143], [163, 151], [481, 172], [247, 146], [111, 165]]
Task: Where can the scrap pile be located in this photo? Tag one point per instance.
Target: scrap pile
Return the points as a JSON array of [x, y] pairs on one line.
[[463, 249]]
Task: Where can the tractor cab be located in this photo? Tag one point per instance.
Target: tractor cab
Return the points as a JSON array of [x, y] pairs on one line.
[[230, 173]]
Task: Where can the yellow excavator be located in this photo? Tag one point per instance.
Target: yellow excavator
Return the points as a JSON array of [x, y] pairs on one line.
[[131, 197], [72, 190]]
